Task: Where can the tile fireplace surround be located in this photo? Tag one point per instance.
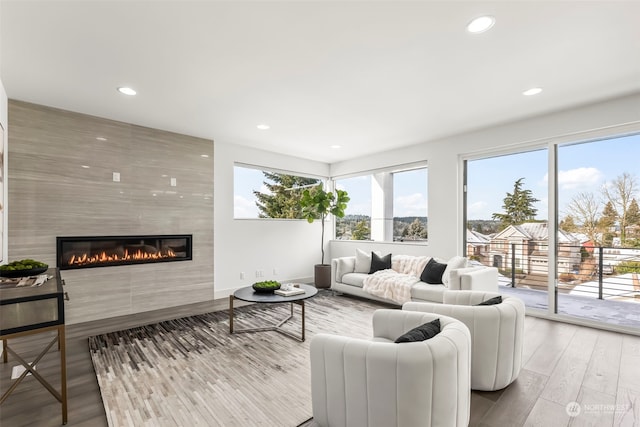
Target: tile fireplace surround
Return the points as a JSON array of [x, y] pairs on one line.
[[98, 177]]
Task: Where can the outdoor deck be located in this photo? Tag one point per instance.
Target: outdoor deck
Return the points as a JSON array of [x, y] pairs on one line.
[[586, 307]]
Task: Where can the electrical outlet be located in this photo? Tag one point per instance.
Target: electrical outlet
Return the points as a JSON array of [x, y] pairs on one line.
[[257, 273], [275, 271], [242, 275]]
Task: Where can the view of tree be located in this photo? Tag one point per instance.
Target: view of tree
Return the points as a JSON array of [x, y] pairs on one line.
[[361, 231], [585, 209], [415, 231], [568, 224], [620, 193], [518, 206], [283, 198]]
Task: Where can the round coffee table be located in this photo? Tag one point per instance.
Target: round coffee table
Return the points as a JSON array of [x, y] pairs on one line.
[[249, 295]]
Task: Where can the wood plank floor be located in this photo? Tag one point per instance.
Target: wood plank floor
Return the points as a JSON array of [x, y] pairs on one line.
[[562, 363]]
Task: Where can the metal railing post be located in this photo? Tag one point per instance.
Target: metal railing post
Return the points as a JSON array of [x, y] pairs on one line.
[[600, 267], [513, 265]]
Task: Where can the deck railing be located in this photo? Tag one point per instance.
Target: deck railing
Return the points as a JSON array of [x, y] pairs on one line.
[[600, 272]]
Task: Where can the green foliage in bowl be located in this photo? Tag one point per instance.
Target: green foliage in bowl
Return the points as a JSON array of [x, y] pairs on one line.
[[266, 286], [25, 264], [24, 267]]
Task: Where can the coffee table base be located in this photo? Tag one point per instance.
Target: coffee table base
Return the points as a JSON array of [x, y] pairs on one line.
[[276, 327]]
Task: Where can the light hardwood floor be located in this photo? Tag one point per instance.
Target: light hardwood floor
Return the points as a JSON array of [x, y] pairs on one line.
[[562, 363]]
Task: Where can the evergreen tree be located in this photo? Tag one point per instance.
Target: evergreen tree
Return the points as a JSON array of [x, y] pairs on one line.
[[606, 223], [568, 224], [361, 231], [633, 218], [518, 206], [283, 198], [415, 230]]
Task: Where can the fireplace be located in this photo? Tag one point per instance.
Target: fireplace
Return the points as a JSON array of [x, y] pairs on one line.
[[104, 251]]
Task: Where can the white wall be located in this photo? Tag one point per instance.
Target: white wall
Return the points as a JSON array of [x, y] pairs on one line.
[[245, 245], [445, 165]]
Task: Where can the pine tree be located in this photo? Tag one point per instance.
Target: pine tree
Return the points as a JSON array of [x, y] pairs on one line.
[[568, 224], [415, 230], [518, 206], [283, 198], [361, 231], [606, 224]]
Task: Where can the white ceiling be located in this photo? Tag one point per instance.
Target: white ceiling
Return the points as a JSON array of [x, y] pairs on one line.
[[367, 75]]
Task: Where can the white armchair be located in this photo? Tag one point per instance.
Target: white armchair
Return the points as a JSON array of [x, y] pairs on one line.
[[377, 383], [497, 334]]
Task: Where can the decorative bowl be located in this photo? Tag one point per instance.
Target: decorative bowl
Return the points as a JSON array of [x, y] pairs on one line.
[[23, 273], [266, 287]]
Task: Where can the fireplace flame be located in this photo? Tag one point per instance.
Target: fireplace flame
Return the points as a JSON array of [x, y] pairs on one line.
[[104, 257]]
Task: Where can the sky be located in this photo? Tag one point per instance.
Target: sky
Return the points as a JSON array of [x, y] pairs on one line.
[[584, 167]]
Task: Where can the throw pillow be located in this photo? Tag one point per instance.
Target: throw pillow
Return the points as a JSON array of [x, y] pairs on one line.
[[454, 263], [363, 261], [421, 333], [379, 263], [492, 301], [433, 272]]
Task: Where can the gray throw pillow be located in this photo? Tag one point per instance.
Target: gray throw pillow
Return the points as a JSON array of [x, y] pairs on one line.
[[433, 272], [379, 263], [421, 333]]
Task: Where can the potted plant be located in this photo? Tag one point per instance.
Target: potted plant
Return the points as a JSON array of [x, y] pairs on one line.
[[317, 204]]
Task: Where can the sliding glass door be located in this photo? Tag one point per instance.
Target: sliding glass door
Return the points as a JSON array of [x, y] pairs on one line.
[[598, 262], [506, 226]]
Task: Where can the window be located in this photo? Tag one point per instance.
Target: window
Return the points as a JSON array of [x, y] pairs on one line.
[[410, 205], [356, 224], [388, 205], [268, 194]]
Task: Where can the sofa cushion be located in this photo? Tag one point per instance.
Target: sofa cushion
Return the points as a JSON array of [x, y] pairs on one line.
[[431, 293], [363, 261], [453, 264], [433, 272], [354, 279], [421, 333], [379, 262]]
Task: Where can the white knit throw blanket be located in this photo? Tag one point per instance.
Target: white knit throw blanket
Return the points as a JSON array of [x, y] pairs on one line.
[[390, 285]]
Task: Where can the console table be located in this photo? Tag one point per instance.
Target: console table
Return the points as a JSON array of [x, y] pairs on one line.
[[33, 310]]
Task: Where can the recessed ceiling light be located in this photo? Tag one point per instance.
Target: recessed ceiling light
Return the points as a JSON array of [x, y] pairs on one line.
[[127, 91], [205, 156], [336, 146], [263, 127], [481, 24], [101, 138], [532, 91], [85, 166]]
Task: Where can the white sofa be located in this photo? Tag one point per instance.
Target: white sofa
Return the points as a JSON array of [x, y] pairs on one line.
[[346, 278], [497, 334], [377, 383]]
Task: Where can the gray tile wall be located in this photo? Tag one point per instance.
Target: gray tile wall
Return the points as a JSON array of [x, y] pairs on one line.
[[51, 194]]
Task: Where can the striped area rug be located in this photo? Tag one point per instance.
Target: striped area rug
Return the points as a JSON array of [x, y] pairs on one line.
[[192, 372]]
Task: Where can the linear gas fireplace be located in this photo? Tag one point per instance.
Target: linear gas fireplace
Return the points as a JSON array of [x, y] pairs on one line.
[[104, 251]]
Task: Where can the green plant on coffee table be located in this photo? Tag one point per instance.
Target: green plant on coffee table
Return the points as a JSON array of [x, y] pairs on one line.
[[266, 286]]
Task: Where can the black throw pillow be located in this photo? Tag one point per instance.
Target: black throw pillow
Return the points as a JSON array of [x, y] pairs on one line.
[[433, 272], [421, 333], [379, 262], [492, 301]]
